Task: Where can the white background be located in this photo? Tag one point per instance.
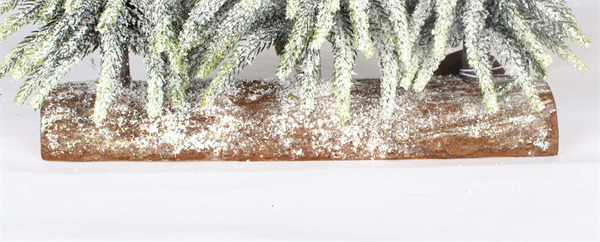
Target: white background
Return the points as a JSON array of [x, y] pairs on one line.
[[551, 198]]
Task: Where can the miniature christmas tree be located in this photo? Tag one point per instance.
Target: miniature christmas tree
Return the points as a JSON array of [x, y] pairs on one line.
[[410, 37], [73, 29], [181, 40]]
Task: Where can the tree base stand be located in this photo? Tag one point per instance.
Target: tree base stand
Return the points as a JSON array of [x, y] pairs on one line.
[[261, 121]]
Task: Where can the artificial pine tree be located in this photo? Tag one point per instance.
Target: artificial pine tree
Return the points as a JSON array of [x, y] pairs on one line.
[[72, 29], [184, 39], [411, 38]]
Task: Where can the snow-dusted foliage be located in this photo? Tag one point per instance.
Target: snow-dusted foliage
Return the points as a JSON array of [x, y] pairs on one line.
[[411, 38], [112, 42], [184, 39], [478, 50]]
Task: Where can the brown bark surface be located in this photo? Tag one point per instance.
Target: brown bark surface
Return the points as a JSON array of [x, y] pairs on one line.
[[261, 121]]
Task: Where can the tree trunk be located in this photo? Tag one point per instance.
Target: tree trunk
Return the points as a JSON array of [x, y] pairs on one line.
[[125, 75]]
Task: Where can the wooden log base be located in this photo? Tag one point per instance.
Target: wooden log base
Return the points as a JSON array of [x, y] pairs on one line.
[[261, 121]]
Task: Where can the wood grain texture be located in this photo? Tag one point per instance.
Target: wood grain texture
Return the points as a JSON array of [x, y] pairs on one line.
[[260, 121]]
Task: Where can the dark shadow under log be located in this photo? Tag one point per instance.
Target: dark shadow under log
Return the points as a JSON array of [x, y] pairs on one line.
[[261, 121]]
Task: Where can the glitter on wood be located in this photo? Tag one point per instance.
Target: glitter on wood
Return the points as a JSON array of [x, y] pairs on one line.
[[261, 120]]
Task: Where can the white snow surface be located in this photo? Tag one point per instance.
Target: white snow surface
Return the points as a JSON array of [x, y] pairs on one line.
[[548, 198]]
